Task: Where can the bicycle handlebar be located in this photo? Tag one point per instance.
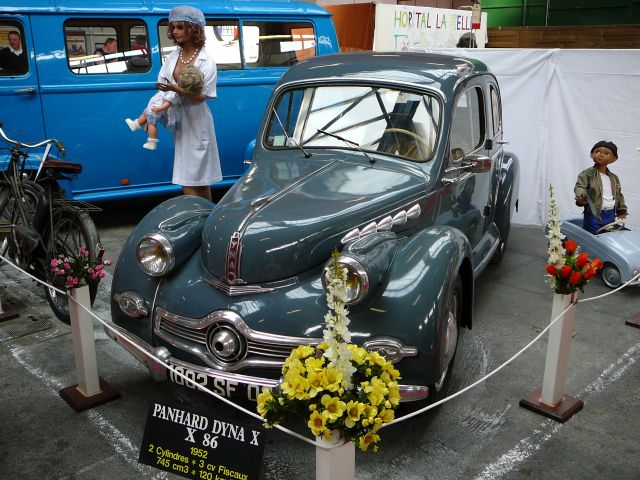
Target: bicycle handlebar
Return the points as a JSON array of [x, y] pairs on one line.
[[34, 145]]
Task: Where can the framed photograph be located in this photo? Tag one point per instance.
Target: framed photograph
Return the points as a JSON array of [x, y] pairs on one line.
[[76, 43]]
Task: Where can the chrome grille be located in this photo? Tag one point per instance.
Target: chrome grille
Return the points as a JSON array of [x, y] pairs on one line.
[[263, 350]]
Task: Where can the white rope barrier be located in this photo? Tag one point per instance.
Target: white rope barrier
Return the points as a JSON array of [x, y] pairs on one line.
[[176, 372], [295, 434]]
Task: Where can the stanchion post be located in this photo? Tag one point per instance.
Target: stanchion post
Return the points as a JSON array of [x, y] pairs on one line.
[[550, 400], [337, 463], [91, 390]]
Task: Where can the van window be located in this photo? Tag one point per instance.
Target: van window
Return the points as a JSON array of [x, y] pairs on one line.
[[222, 43], [277, 44], [99, 46], [14, 58], [264, 44]]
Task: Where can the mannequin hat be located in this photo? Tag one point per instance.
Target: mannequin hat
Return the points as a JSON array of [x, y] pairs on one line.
[[605, 143], [185, 13]]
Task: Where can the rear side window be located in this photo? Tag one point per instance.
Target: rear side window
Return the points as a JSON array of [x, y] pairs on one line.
[[236, 44], [106, 46], [468, 124], [14, 59]]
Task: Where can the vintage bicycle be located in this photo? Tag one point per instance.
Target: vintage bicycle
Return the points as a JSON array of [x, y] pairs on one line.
[[37, 221]]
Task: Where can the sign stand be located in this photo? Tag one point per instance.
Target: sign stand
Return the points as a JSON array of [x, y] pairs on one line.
[[7, 312], [91, 390], [550, 400], [337, 463]]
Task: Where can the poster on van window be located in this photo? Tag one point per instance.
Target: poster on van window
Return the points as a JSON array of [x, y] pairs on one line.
[[416, 29]]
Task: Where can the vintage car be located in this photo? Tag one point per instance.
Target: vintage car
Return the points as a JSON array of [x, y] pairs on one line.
[[617, 246], [394, 159]]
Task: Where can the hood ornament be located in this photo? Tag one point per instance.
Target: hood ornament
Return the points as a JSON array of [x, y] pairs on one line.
[[232, 267]]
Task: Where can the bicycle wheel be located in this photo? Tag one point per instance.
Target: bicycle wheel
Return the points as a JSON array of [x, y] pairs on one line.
[[19, 238], [72, 229]]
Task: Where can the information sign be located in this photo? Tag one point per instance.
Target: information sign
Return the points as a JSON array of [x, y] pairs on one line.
[[200, 446]]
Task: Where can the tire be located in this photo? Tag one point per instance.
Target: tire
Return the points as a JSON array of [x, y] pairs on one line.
[[31, 195], [440, 389], [611, 275], [72, 229]]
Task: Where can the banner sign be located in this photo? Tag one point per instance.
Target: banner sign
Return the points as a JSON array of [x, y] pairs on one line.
[[409, 28], [198, 446]]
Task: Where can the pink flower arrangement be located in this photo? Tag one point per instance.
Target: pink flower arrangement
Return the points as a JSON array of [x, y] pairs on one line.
[[78, 271]]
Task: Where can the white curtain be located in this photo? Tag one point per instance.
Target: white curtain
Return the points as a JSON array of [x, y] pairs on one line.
[[556, 104]]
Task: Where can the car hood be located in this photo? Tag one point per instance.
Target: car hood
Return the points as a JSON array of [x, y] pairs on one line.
[[284, 218]]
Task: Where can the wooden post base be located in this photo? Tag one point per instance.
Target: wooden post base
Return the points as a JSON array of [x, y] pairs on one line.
[[562, 412], [80, 402], [634, 322], [8, 312]]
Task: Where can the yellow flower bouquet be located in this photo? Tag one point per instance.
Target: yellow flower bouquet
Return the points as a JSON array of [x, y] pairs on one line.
[[336, 386]]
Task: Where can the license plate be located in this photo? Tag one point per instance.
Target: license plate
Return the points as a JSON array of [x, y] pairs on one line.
[[221, 386]]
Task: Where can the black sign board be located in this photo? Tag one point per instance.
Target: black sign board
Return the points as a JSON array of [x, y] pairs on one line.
[[200, 446]]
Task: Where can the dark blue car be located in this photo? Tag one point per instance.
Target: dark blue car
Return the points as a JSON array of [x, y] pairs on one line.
[[394, 159]]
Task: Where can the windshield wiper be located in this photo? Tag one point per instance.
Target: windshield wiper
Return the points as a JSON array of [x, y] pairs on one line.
[[290, 140], [348, 142]]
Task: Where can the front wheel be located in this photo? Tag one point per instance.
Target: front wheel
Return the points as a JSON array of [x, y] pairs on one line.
[[71, 230], [611, 275], [439, 390]]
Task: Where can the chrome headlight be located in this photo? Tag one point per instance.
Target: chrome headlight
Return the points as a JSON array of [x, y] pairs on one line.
[[357, 284], [155, 254]]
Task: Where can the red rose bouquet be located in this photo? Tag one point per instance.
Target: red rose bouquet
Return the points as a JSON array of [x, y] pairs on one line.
[[568, 269]]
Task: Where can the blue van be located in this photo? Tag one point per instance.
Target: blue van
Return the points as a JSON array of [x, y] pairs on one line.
[[75, 69]]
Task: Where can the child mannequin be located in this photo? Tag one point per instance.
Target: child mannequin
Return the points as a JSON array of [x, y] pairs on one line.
[[598, 189], [160, 107]]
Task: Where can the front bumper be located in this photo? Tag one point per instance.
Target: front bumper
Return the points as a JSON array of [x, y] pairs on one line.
[[223, 383]]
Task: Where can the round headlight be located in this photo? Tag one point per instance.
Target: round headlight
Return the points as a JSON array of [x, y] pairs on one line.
[[155, 254], [357, 284]]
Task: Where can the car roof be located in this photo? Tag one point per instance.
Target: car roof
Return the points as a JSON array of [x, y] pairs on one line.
[[422, 69]]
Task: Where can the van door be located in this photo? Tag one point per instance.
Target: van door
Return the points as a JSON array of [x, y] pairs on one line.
[[20, 108]]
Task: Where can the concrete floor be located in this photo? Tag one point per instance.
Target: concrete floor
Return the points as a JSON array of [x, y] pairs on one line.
[[483, 434]]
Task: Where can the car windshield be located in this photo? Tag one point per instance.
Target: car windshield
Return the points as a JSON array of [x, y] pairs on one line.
[[374, 119]]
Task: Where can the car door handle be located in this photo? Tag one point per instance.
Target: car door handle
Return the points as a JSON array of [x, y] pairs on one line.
[[457, 179], [502, 142], [25, 91]]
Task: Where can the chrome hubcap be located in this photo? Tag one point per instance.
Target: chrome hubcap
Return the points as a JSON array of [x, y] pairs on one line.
[[451, 338]]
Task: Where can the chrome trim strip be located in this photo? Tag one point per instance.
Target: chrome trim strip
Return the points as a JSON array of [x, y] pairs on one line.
[[237, 290], [385, 223], [487, 258]]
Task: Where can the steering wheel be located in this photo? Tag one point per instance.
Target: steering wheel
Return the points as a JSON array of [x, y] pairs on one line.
[[611, 227], [414, 135]]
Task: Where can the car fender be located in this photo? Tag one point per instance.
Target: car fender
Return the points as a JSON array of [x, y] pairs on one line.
[[507, 196], [180, 219], [415, 296]]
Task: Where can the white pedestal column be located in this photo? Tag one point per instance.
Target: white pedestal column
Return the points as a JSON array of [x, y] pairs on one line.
[[337, 463], [84, 345]]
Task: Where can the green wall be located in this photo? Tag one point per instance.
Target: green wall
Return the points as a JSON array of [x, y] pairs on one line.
[[509, 13]]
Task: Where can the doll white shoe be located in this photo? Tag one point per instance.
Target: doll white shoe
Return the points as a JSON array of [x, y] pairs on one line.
[[133, 124], [152, 144]]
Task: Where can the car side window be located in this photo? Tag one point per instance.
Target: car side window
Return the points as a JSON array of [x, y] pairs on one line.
[[106, 46], [496, 115], [468, 124], [14, 56]]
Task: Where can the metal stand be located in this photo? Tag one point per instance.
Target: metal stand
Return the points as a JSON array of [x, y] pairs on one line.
[[551, 400], [90, 390]]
